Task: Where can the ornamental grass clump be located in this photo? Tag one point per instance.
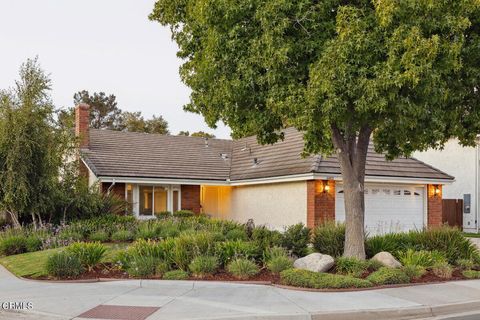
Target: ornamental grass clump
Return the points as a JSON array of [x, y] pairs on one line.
[[64, 264], [122, 236], [279, 264], [202, 266], [329, 238], [89, 253], [421, 258], [243, 268], [442, 270], [296, 239], [99, 236], [414, 271], [319, 280], [13, 244], [142, 266]]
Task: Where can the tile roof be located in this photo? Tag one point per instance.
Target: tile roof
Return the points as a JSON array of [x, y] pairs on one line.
[[128, 154]]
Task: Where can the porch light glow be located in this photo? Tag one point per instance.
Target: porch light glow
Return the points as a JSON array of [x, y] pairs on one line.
[[436, 190], [326, 187]]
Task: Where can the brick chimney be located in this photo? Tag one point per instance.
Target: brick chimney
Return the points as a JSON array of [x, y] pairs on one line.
[[82, 123]]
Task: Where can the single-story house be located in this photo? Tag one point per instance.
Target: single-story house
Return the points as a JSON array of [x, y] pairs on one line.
[[463, 163], [242, 180]]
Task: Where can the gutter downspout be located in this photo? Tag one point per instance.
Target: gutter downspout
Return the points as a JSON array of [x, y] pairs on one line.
[[111, 186]]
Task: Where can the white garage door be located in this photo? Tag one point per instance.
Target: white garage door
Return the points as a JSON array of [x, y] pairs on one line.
[[388, 208]]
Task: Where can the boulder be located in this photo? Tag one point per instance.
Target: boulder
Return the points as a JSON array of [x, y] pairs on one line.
[[316, 262], [387, 259]]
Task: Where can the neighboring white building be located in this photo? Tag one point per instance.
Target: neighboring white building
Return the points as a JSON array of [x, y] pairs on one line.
[[462, 163]]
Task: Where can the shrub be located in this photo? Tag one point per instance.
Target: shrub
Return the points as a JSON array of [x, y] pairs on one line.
[[414, 271], [13, 244], [243, 268], [70, 235], [466, 264], [471, 274], [147, 230], [148, 248], [33, 243], [122, 236], [230, 250], [296, 239], [274, 252], [279, 263], [161, 268], [175, 275], [266, 238], [99, 235], [318, 280], [421, 258], [351, 266], [89, 253], [63, 265], [203, 265], [386, 275], [183, 214], [390, 242], [236, 234], [329, 238], [191, 245], [142, 266], [163, 214], [374, 265], [442, 270]]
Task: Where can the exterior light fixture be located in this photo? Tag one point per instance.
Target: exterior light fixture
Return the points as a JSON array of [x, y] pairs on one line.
[[436, 190], [326, 187]]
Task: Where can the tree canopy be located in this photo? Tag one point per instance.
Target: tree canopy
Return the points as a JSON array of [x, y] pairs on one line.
[[405, 73], [201, 134], [105, 114], [31, 147]]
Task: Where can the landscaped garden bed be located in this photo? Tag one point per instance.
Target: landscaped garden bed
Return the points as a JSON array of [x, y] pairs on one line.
[[187, 247]]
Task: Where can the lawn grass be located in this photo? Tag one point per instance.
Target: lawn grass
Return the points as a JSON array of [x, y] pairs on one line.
[[32, 264], [471, 235]]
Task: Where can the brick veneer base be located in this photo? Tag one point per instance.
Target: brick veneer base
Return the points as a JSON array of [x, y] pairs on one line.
[[434, 206], [320, 203], [190, 198]]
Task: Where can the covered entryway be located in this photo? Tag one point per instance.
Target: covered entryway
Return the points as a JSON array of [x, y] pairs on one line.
[[388, 208]]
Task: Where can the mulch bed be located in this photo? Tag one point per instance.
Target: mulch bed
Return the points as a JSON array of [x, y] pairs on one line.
[[108, 272]]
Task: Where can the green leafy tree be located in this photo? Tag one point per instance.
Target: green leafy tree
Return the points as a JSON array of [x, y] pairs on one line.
[[184, 133], [104, 113], [404, 73], [134, 122], [203, 135], [31, 147]]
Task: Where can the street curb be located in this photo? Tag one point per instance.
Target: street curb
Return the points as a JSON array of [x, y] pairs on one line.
[[456, 308]]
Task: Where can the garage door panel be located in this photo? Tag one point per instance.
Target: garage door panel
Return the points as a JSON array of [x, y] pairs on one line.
[[388, 208]]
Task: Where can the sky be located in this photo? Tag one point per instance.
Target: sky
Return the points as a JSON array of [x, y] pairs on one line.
[[102, 45]]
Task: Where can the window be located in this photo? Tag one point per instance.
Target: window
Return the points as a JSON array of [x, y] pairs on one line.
[[160, 199], [130, 197], [406, 192], [146, 200], [175, 200]]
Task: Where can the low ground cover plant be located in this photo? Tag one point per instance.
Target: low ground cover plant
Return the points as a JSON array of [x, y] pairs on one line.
[[471, 274], [317, 280], [175, 275], [351, 266], [386, 275]]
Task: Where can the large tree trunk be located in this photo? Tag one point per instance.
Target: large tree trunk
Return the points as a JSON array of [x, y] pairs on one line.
[[352, 155], [14, 218]]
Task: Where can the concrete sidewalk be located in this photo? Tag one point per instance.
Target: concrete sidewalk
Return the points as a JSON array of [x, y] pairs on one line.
[[214, 300]]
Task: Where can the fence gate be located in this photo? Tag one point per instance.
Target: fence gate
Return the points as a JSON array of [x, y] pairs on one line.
[[452, 212]]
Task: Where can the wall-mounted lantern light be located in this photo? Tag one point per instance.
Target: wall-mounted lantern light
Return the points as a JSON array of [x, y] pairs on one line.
[[436, 190], [326, 187]]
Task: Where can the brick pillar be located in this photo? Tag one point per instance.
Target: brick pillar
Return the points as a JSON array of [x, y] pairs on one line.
[[434, 206], [320, 203], [82, 124], [190, 195]]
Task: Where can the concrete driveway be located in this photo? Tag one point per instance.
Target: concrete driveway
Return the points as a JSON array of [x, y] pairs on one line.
[[214, 300]]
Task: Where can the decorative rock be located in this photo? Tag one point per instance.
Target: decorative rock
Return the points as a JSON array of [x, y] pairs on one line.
[[316, 262], [387, 259]]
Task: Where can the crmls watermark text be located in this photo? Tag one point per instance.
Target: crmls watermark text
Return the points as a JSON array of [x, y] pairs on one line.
[[16, 305]]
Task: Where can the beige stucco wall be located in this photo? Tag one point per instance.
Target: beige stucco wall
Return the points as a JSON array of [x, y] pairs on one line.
[[275, 205]]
